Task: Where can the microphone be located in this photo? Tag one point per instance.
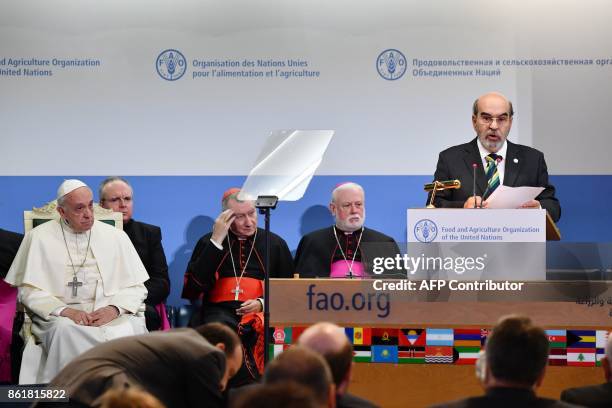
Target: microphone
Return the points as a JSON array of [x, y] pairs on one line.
[[442, 185], [474, 165]]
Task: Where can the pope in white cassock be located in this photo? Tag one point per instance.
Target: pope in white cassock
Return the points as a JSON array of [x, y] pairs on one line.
[[81, 280]]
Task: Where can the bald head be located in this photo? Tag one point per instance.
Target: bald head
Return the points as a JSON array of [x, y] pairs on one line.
[[492, 119], [330, 341], [324, 338]]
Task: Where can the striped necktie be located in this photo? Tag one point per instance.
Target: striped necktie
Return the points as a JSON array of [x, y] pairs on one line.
[[492, 174]]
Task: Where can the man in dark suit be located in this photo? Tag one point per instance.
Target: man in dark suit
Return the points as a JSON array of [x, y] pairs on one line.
[[348, 248], [9, 244], [516, 355], [495, 161], [330, 341], [181, 367], [595, 395], [116, 193]]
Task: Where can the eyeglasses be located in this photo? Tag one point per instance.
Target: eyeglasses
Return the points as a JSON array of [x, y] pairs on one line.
[[115, 200], [488, 119]]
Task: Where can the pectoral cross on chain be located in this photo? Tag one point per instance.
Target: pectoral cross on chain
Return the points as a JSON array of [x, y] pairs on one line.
[[237, 292], [75, 285]]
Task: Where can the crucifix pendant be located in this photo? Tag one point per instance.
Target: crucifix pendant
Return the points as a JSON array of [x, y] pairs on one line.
[[237, 292], [75, 285]]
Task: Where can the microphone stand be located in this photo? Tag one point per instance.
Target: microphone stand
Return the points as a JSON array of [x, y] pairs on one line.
[[265, 204]]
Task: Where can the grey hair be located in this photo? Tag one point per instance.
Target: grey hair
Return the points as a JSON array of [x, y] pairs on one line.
[[346, 186], [109, 180]]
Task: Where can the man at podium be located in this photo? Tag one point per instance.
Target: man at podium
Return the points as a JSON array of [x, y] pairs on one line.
[[346, 249], [491, 160]]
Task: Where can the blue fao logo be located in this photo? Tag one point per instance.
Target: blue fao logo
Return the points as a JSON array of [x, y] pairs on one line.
[[171, 65], [391, 64], [425, 230]]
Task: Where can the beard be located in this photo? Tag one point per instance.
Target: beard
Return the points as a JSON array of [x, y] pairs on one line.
[[492, 145], [350, 225]]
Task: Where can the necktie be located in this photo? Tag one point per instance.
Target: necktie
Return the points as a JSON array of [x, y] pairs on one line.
[[492, 174]]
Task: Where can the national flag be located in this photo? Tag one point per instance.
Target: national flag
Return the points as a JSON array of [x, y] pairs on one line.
[[362, 354], [279, 335], [484, 333], [362, 336], [384, 354], [581, 339], [599, 354], [557, 357], [466, 355], [439, 354], [384, 337], [466, 338], [282, 335], [583, 357], [276, 349], [556, 338], [439, 337], [296, 332], [411, 337], [411, 355], [601, 338]]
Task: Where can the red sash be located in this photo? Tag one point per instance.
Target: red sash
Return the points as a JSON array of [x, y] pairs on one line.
[[224, 290]]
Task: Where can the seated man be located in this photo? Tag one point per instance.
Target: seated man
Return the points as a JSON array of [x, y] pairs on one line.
[[285, 394], [226, 269], [594, 395], [116, 194], [330, 341], [80, 279], [346, 249], [181, 368], [9, 244], [305, 367], [494, 161], [516, 355], [9, 342]]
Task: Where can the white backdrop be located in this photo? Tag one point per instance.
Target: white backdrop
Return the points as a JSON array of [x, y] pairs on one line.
[[53, 118]]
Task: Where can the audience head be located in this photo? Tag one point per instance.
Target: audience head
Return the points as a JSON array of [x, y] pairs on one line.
[[132, 397], [245, 214], [285, 394], [225, 339], [75, 205], [304, 367], [331, 342], [516, 354], [116, 194], [348, 206]]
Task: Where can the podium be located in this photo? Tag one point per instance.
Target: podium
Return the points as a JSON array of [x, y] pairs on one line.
[[356, 303]]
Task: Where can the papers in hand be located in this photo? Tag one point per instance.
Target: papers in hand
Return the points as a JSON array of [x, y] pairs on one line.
[[512, 197]]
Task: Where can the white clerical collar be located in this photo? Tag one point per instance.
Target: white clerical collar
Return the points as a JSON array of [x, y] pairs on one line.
[[349, 232], [69, 229]]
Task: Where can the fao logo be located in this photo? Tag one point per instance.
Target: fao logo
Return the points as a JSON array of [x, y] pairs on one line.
[[171, 65], [425, 230], [391, 64]]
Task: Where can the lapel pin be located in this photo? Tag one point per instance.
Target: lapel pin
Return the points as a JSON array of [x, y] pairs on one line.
[[515, 160]]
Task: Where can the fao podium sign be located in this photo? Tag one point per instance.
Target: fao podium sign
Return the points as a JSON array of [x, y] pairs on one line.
[[476, 244]]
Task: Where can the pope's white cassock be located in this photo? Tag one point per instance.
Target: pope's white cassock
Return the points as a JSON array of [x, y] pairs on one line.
[[112, 274]]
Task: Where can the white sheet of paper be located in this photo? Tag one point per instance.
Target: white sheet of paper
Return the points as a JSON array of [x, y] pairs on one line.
[[512, 197]]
